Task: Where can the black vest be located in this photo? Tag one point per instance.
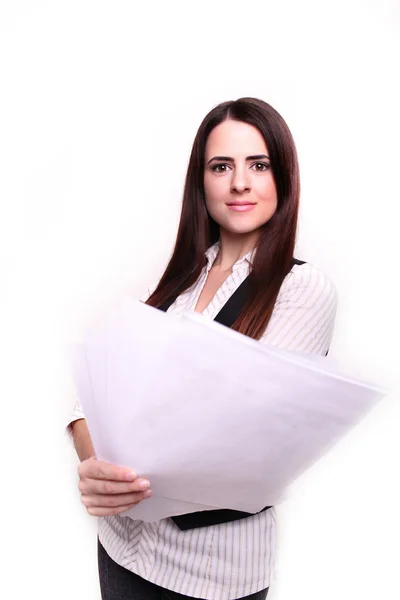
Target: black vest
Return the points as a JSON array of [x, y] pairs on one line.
[[226, 316]]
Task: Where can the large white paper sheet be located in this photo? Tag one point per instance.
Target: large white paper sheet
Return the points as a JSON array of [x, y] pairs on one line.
[[212, 417]]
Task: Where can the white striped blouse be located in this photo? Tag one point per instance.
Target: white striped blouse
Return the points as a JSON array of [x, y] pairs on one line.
[[230, 560]]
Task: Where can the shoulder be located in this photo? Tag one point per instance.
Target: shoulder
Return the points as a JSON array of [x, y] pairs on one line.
[[308, 283], [304, 313]]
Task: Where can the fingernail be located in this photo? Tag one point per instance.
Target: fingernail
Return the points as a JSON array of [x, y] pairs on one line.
[[144, 484], [147, 493], [131, 476]]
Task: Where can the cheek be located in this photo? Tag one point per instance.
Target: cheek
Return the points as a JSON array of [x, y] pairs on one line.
[[213, 190], [266, 190]]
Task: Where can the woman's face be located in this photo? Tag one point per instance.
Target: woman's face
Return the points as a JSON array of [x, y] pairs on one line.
[[237, 171]]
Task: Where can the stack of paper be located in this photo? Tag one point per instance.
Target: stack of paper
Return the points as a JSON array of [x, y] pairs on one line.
[[212, 417]]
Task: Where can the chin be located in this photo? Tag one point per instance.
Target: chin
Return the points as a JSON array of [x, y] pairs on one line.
[[239, 227]]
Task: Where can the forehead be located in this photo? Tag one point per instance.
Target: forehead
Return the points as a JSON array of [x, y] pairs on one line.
[[235, 138]]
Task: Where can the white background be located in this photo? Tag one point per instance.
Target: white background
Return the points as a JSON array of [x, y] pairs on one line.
[[99, 106]]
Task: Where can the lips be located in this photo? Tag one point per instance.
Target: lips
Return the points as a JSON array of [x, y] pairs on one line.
[[241, 206]]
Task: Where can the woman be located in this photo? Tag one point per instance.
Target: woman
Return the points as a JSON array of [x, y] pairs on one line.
[[238, 222]]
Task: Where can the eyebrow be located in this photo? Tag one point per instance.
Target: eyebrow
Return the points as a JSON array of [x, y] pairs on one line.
[[253, 157]]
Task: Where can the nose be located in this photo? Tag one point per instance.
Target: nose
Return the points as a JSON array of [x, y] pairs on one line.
[[240, 180]]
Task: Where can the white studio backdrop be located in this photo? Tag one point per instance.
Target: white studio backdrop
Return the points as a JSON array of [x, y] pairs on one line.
[[100, 104]]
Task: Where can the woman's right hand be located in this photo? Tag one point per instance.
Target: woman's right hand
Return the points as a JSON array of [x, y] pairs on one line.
[[107, 489]]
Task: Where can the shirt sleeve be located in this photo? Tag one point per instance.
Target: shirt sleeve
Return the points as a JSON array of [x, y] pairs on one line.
[[73, 408], [76, 412], [304, 314]]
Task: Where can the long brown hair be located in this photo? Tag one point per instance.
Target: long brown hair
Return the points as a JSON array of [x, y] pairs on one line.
[[197, 230]]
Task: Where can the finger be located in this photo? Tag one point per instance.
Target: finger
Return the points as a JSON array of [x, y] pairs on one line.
[[98, 511], [114, 500], [97, 469], [102, 486]]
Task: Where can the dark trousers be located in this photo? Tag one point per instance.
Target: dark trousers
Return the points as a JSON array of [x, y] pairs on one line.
[[117, 583]]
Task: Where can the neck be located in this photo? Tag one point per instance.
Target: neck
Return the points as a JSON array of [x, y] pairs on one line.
[[232, 248]]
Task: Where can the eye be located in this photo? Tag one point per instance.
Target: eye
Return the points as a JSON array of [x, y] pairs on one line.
[[215, 167], [265, 166]]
